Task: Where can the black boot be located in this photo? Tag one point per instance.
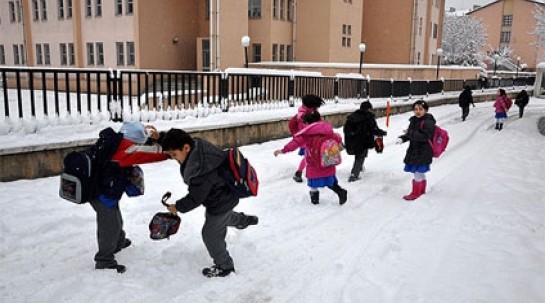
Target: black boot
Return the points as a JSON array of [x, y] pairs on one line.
[[497, 125], [315, 197], [501, 126], [341, 192], [246, 220]]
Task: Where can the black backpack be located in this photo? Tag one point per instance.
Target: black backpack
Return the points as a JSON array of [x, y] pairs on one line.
[[80, 178]]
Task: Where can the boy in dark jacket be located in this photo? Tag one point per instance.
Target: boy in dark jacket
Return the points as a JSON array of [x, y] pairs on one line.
[[200, 165], [465, 100], [521, 101], [360, 130]]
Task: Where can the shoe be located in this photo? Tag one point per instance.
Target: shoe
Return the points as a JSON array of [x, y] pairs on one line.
[[120, 268], [315, 197], [215, 271], [343, 196], [127, 243], [246, 221], [353, 178], [297, 177]]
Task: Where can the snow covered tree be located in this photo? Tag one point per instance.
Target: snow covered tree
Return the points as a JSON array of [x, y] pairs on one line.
[[463, 39], [539, 31]]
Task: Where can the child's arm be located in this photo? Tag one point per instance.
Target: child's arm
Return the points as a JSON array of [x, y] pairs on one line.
[[291, 146]]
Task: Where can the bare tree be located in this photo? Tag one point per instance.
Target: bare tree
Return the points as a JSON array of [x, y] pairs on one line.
[[463, 39]]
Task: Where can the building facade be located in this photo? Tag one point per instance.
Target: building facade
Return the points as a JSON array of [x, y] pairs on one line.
[[510, 23], [206, 35]]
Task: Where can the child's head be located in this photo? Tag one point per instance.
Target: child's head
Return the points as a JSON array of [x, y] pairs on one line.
[[501, 92], [312, 101], [134, 131], [310, 118], [365, 106], [420, 108], [177, 144]]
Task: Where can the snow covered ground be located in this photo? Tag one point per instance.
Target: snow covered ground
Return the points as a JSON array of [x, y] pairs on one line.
[[478, 235]]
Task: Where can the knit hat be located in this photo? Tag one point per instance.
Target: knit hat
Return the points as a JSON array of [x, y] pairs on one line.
[[134, 131], [366, 105]]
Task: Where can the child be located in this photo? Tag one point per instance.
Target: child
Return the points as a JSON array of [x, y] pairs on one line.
[[311, 103], [419, 154], [200, 164], [317, 176], [360, 130], [114, 180], [502, 105], [465, 100], [521, 101]]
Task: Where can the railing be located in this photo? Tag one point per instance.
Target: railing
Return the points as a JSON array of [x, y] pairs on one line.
[[85, 94]]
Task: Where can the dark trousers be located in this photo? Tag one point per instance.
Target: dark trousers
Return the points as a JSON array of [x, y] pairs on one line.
[[521, 111], [465, 112], [358, 163], [110, 234], [214, 232]]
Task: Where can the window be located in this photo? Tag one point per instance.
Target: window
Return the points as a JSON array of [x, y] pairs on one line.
[[507, 20], [282, 47], [130, 7], [275, 52], [130, 53], [23, 54], [63, 53], [505, 37], [275, 9], [71, 54], [98, 8], [2, 55], [290, 10], [346, 32], [39, 54], [88, 8], [90, 53], [44, 9], [100, 53], [254, 9], [47, 54], [205, 55], [120, 53], [19, 11], [118, 7], [344, 29], [289, 50], [35, 10], [282, 2], [207, 15], [12, 16], [256, 52], [68, 9], [16, 55], [344, 42], [435, 30], [420, 27], [60, 9]]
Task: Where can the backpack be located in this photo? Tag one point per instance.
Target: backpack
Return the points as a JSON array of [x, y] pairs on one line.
[[326, 150], [508, 103], [239, 174], [79, 180], [439, 140], [293, 125], [163, 225]]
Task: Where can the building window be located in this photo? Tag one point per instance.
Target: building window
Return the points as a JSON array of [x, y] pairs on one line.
[[44, 10], [130, 7], [435, 30], [130, 54], [71, 54], [68, 9], [12, 16], [505, 37], [254, 9], [39, 54], [16, 60], [347, 32], [282, 2], [289, 50], [100, 53], [256, 52], [290, 10], [35, 10], [47, 54], [420, 27], [90, 53], [60, 9], [2, 55], [23, 54], [282, 48], [205, 55], [19, 11], [88, 8], [120, 53], [275, 52], [118, 7], [507, 20], [275, 9], [63, 53], [98, 8]]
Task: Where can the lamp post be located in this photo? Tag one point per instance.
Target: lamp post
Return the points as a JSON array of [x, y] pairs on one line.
[[439, 53], [518, 66], [362, 51], [245, 43]]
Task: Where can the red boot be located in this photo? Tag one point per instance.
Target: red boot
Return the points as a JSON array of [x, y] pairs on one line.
[[423, 188], [418, 188]]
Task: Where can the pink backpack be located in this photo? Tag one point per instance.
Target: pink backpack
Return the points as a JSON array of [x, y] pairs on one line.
[[439, 141], [325, 150]]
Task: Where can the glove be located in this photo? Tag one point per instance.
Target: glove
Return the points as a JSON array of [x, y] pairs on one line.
[[399, 141], [384, 134]]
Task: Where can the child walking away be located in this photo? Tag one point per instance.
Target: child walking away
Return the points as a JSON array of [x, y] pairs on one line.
[[502, 105], [360, 130], [465, 100], [521, 101], [419, 153], [114, 179], [321, 171], [311, 103], [201, 163]]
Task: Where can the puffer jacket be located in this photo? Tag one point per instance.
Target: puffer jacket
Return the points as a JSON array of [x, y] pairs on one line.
[[502, 104], [419, 133], [202, 173], [360, 130], [305, 137], [466, 98]]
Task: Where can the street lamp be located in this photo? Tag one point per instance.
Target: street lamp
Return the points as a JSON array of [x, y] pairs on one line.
[[362, 50], [496, 57], [439, 53], [518, 66], [245, 43]]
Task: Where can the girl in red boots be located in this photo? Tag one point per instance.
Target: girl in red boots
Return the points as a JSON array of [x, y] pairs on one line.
[[419, 154]]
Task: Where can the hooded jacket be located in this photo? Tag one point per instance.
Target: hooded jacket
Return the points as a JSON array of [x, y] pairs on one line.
[[360, 130], [202, 173], [419, 133], [466, 97]]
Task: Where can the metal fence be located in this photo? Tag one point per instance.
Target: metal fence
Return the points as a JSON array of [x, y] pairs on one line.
[[32, 92]]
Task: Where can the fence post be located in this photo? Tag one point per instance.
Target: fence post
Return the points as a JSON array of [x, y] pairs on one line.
[[368, 86], [392, 88], [113, 104], [336, 90], [224, 87], [410, 86], [291, 88], [442, 86]]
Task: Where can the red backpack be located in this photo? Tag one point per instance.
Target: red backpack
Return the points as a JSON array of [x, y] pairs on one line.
[[439, 141], [239, 174]]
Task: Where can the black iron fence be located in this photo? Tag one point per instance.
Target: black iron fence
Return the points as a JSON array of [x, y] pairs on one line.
[[32, 92]]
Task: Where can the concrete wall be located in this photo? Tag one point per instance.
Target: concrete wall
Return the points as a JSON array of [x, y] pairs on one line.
[[45, 161]]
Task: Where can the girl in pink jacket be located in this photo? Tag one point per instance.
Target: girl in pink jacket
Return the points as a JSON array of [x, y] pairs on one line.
[[317, 175], [502, 105]]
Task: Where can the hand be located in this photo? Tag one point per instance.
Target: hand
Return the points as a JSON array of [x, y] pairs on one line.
[[405, 131], [277, 152], [172, 208], [384, 134], [151, 131], [399, 141]]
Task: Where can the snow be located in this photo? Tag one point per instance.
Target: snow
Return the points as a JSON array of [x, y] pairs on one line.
[[478, 235]]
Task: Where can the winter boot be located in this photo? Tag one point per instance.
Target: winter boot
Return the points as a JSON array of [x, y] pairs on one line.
[[315, 197], [216, 271], [297, 177], [126, 244], [497, 125], [118, 267], [353, 178], [245, 221], [423, 187], [501, 126], [341, 192], [416, 192]]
